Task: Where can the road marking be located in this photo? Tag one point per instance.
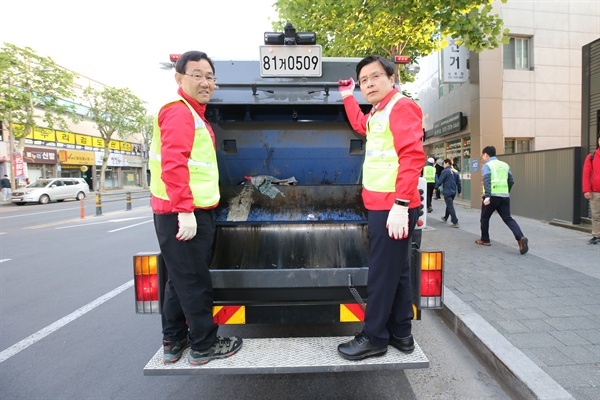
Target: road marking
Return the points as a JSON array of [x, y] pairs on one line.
[[98, 223], [42, 333], [130, 226], [5, 259]]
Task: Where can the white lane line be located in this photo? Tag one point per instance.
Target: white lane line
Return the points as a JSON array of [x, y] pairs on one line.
[[42, 333], [98, 223], [5, 259], [130, 226]]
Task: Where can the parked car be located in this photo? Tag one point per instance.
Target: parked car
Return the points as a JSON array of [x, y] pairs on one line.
[[45, 190]]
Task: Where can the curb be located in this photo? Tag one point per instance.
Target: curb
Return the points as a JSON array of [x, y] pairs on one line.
[[519, 376]]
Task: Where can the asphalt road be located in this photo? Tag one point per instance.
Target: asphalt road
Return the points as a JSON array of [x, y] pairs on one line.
[[69, 328]]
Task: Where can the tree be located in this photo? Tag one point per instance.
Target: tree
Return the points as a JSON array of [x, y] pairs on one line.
[[31, 82], [114, 111], [146, 131], [357, 28]]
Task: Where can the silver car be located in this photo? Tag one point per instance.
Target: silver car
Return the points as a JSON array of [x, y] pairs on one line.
[[45, 190]]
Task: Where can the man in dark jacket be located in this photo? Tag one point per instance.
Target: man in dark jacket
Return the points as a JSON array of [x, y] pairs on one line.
[[439, 167], [450, 180], [5, 185]]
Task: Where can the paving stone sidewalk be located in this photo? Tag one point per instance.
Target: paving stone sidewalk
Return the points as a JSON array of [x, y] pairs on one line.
[[545, 303]]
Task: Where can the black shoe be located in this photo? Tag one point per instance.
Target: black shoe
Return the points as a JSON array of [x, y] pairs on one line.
[[360, 348], [430, 210], [172, 351], [523, 245], [594, 240], [405, 345]]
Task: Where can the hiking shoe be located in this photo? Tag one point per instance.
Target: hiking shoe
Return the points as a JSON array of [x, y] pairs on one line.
[[482, 243], [223, 347], [444, 219], [523, 248], [172, 351], [456, 225], [594, 240]]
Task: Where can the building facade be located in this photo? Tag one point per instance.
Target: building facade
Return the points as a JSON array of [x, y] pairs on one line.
[[523, 96], [74, 152]]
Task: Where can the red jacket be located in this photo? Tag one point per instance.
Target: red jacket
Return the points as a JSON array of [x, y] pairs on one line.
[[177, 132], [406, 124], [591, 173]]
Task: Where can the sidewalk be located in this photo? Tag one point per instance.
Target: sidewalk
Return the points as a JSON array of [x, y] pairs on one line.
[[533, 319]]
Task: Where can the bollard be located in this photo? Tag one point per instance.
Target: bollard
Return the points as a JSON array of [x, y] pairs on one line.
[[128, 201], [81, 209], [98, 204]]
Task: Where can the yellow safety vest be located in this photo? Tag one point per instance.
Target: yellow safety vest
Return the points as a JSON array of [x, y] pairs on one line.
[[202, 164], [429, 173], [380, 168], [499, 176]]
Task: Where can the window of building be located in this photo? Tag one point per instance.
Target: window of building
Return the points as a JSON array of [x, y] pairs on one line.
[[517, 145], [517, 53]]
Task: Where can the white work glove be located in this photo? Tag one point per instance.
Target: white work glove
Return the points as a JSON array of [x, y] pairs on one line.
[[397, 222], [346, 87], [486, 201], [187, 226]]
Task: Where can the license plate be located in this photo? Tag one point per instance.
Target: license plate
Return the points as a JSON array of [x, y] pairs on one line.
[[290, 61]]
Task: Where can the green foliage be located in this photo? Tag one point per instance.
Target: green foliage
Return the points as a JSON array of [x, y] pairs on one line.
[[30, 82], [114, 111], [357, 28]]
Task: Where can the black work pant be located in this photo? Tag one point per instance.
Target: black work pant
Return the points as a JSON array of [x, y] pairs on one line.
[[188, 299], [450, 211], [430, 187], [502, 205], [389, 290]]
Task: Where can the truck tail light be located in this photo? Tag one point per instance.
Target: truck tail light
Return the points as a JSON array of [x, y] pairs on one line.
[[146, 284], [432, 282]]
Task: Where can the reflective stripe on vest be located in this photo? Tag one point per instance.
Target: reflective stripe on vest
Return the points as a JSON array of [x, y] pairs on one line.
[[429, 173], [380, 168], [202, 164], [499, 177]]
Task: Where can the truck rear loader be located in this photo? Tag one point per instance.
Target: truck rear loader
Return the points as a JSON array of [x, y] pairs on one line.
[[291, 243]]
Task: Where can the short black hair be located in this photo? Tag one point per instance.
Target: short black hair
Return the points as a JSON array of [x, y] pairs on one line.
[[489, 150], [388, 67], [181, 64], [448, 161]]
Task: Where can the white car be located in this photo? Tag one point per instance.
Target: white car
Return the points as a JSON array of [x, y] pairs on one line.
[[45, 190]]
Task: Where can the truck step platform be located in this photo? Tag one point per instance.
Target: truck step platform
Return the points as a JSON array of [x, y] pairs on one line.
[[288, 355]]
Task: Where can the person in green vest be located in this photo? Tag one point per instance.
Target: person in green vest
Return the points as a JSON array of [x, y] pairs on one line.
[[497, 182], [185, 190], [429, 175]]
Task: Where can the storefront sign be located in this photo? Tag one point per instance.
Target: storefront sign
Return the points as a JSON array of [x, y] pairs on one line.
[[76, 157], [135, 162], [39, 156], [452, 124], [114, 160], [454, 63]]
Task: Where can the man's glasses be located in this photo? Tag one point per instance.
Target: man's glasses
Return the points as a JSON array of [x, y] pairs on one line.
[[198, 78], [373, 78]]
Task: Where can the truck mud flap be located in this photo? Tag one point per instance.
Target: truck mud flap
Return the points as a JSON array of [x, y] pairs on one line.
[[289, 355]]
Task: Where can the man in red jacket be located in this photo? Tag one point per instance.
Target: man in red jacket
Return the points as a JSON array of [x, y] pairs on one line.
[[591, 190], [185, 190], [393, 161]]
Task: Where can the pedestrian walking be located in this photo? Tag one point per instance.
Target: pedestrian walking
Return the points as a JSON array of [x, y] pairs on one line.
[[185, 190], [497, 183], [439, 167], [591, 190], [6, 190], [450, 181], [391, 169], [429, 175]]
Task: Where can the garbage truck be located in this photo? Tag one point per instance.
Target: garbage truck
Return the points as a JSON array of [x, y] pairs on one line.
[[291, 242]]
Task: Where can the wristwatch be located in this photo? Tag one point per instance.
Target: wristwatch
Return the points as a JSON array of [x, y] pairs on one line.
[[402, 202]]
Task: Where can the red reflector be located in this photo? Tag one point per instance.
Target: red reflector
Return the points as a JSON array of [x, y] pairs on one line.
[[420, 222], [401, 59], [174, 57], [146, 287], [431, 283]]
